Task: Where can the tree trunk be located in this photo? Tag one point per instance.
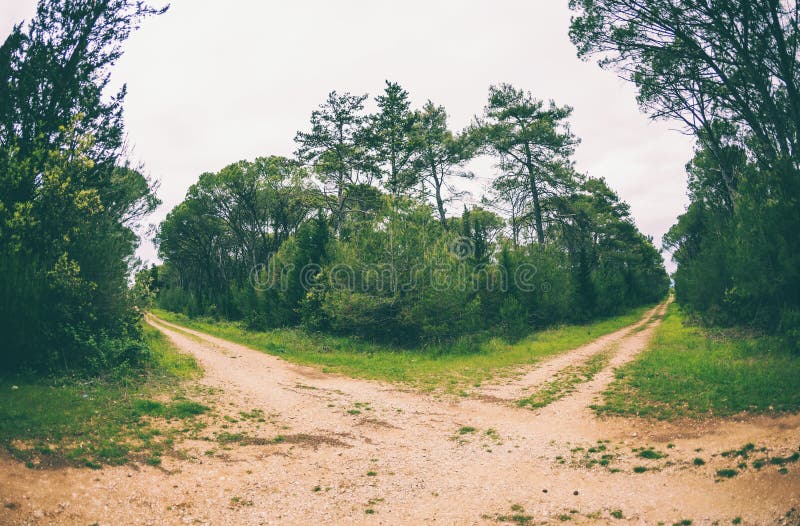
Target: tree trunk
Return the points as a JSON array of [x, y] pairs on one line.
[[537, 209]]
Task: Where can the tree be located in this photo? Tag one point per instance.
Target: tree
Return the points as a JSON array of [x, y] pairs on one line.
[[69, 202], [613, 266], [534, 143], [393, 267], [701, 61], [335, 147], [231, 224], [440, 155], [730, 72], [389, 136]]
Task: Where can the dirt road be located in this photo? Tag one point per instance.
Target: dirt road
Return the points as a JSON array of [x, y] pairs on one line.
[[354, 451]]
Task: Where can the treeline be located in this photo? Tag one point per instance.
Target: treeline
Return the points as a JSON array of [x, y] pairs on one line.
[[352, 235], [68, 198], [729, 71]]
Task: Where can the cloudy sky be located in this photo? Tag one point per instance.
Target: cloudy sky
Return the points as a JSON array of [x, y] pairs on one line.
[[210, 83]]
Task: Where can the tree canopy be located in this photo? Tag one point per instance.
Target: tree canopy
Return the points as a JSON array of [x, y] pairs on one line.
[[371, 247]]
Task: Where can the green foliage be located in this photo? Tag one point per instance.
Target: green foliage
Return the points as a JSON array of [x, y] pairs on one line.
[[440, 155], [534, 145], [389, 136], [690, 371], [259, 243], [337, 149], [219, 242], [728, 72], [68, 200]]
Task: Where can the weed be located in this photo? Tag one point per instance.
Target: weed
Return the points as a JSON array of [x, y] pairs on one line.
[[727, 473], [617, 514], [639, 469], [651, 454]]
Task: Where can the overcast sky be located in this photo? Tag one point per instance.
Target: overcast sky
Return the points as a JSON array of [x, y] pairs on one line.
[[210, 83]]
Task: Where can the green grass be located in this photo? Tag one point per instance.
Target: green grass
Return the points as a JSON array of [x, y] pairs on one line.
[[90, 421], [452, 368], [566, 381], [651, 454], [693, 372]]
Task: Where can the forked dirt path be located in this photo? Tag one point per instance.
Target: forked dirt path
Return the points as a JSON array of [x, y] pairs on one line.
[[363, 452], [534, 376]]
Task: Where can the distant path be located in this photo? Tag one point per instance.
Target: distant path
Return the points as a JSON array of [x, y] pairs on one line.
[[537, 374], [412, 459]]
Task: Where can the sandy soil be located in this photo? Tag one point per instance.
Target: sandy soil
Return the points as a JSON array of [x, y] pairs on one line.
[[356, 451]]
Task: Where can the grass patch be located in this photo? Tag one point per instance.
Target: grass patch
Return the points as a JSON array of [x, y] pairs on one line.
[[50, 422], [566, 381], [452, 367], [517, 516], [694, 372], [651, 454]]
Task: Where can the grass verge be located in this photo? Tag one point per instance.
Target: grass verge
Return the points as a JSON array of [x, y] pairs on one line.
[[452, 368], [566, 381], [134, 416], [694, 372]]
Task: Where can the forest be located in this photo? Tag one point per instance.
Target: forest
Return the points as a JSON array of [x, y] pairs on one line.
[[353, 235], [363, 231]]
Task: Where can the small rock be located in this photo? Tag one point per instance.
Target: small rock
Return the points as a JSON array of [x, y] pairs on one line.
[[544, 491], [38, 514], [14, 387], [575, 492]]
